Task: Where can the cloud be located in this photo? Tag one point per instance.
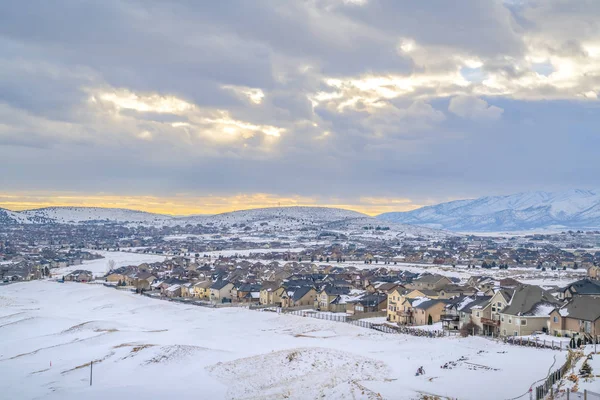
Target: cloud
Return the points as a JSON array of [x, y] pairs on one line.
[[474, 108], [297, 99]]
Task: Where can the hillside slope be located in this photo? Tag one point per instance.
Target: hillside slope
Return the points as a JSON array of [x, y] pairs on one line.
[[573, 209]]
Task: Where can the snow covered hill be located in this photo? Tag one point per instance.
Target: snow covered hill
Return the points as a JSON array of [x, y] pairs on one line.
[[78, 215], [369, 227], [573, 209], [276, 217]]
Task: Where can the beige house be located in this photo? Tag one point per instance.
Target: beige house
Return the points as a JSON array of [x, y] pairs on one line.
[[489, 318], [428, 311], [593, 272], [202, 289], [296, 297], [431, 282], [528, 311], [271, 294], [450, 291], [327, 299], [579, 318], [395, 299], [221, 290]]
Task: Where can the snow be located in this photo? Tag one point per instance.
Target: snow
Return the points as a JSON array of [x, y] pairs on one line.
[[148, 348], [542, 310], [99, 267], [517, 212]]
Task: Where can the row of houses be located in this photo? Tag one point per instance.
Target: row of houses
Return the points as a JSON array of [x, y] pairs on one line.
[[506, 310]]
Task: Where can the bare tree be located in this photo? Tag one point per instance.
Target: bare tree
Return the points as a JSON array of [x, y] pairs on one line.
[[110, 266]]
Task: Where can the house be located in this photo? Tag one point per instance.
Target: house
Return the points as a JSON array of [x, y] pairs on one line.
[[427, 311], [173, 290], [395, 300], [220, 291], [329, 298], [247, 293], [142, 280], [527, 311], [583, 287], [79, 276], [202, 289], [593, 272], [490, 313], [429, 281], [579, 318], [299, 296], [373, 302], [450, 291], [413, 294], [187, 290], [270, 293]]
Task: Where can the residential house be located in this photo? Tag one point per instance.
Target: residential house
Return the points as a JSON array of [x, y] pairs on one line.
[[270, 293], [490, 313], [79, 276], [299, 296], [528, 311], [202, 289], [470, 310], [430, 282], [173, 290], [593, 272], [329, 299], [428, 311], [373, 302], [220, 291], [583, 287], [579, 318], [450, 291]]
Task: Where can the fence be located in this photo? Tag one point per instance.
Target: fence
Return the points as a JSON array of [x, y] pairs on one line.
[[540, 344], [369, 325], [548, 386]]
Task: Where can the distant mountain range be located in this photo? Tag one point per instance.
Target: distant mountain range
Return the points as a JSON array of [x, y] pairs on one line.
[[273, 220], [573, 209]]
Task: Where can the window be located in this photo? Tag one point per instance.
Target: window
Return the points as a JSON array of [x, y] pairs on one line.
[[510, 320], [503, 321], [499, 304], [478, 313], [523, 322], [516, 334], [555, 319], [493, 308]]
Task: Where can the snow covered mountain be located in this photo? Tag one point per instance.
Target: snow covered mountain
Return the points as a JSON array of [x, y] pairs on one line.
[[266, 220], [290, 217], [573, 209]]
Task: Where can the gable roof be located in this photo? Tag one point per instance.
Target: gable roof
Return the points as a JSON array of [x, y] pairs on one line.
[[585, 286], [585, 308], [530, 300], [218, 285], [427, 304], [299, 293]]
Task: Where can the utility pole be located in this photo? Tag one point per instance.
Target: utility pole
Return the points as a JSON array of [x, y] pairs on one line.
[[91, 369]]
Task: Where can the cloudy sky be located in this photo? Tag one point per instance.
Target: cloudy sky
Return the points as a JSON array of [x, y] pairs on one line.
[[375, 105]]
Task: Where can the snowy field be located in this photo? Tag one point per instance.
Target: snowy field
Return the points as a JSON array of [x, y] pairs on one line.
[[146, 348], [99, 267]]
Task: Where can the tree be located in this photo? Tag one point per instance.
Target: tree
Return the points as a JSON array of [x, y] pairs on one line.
[[110, 266], [469, 328]]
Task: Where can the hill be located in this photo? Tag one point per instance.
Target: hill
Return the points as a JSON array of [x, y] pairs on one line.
[[573, 209]]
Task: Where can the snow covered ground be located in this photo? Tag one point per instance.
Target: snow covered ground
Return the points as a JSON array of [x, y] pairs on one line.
[[99, 267], [147, 348]]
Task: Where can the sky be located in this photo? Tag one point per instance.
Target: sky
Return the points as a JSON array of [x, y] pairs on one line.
[[188, 107]]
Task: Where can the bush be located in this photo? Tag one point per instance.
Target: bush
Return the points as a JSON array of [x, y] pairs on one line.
[[469, 328]]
